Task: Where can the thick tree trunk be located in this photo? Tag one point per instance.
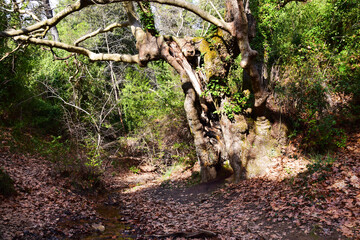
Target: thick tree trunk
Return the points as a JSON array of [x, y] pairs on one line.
[[206, 140], [248, 139], [203, 124]]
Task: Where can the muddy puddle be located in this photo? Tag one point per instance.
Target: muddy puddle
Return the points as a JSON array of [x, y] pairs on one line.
[[111, 226]]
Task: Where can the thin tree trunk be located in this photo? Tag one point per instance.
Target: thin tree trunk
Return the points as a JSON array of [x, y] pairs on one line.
[[114, 85], [49, 14]]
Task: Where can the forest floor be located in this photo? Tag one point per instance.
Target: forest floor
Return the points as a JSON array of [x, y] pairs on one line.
[[292, 202]]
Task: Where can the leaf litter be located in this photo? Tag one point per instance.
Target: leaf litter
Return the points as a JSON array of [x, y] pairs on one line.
[[290, 202]]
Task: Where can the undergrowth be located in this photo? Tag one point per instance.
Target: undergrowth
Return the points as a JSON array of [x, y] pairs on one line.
[[62, 152]]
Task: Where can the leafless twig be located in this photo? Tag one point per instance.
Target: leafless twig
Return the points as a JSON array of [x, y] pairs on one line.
[[8, 53]]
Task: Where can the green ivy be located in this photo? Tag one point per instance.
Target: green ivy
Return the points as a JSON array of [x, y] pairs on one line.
[[147, 18], [239, 102], [216, 88]]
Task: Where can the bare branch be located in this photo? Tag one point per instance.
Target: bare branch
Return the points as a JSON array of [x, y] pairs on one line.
[[80, 50], [60, 58], [28, 99], [181, 25], [217, 12], [31, 14], [101, 30], [56, 95], [8, 53], [198, 11], [48, 22]]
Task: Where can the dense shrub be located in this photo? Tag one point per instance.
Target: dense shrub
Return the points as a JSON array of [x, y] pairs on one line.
[[314, 46]]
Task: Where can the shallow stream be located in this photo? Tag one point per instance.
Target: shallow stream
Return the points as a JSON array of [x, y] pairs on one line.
[[115, 228]]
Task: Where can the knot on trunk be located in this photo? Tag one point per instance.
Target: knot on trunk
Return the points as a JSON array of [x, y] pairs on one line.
[[187, 46], [149, 48], [247, 57]]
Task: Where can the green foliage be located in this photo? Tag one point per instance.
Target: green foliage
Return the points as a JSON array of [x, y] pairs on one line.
[[217, 88], [320, 163], [239, 103], [316, 46], [239, 100], [147, 17], [235, 77], [134, 169], [152, 105], [211, 33], [149, 99], [185, 153], [323, 133], [21, 99], [33, 141], [93, 154], [33, 113]]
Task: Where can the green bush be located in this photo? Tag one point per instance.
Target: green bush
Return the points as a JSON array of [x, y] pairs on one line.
[[315, 45]]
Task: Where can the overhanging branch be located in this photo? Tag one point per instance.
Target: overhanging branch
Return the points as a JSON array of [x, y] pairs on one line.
[[196, 10], [48, 22], [30, 34], [80, 50], [84, 3], [8, 53]]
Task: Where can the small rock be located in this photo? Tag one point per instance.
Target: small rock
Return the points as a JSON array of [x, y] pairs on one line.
[[98, 227]]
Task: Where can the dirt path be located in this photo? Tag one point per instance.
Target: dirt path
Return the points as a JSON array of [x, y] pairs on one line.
[[227, 211]]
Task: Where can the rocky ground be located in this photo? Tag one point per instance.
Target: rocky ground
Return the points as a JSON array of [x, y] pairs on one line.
[[292, 202]]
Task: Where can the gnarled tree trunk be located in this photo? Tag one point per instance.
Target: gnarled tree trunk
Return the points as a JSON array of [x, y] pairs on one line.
[[250, 138]]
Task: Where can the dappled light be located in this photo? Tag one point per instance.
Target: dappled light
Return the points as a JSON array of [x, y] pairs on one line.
[[179, 119]]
